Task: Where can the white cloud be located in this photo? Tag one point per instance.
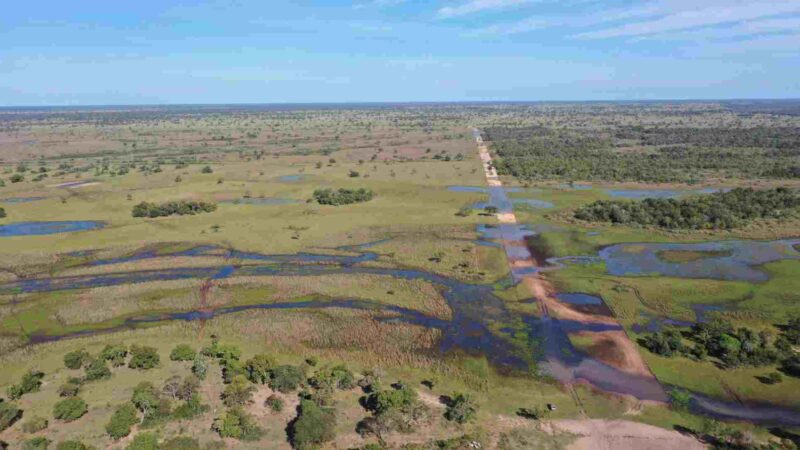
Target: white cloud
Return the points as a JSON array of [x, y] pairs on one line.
[[767, 26], [474, 6], [696, 18]]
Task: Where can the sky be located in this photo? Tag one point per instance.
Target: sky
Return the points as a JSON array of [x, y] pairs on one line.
[[100, 52]]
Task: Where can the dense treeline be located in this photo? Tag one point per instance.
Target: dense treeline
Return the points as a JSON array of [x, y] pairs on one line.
[[733, 347], [721, 210], [180, 208], [653, 154], [343, 196]]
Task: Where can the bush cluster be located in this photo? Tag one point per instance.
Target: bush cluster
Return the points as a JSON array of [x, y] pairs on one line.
[[180, 208], [342, 196]]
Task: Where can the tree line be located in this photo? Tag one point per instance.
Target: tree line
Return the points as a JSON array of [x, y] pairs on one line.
[[180, 208], [720, 210], [343, 196]]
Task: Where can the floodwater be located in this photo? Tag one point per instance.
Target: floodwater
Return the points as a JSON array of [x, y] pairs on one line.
[[727, 260], [291, 178], [42, 228], [21, 199], [639, 194], [577, 298], [262, 201]]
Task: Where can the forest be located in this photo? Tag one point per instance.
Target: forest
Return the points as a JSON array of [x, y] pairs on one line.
[[720, 210], [342, 196], [646, 154]]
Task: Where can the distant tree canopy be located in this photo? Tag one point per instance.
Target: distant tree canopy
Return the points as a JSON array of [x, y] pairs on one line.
[[649, 154], [2, 213], [180, 208], [343, 196], [721, 210]]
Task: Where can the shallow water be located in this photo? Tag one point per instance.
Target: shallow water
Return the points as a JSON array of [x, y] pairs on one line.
[[291, 178], [43, 228], [639, 194], [262, 201], [736, 260], [21, 199], [577, 298]]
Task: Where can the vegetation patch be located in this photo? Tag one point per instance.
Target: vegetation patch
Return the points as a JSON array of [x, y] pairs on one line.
[[343, 196], [684, 256], [177, 208]]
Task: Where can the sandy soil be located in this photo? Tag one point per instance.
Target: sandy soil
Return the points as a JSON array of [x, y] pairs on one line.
[[597, 434]]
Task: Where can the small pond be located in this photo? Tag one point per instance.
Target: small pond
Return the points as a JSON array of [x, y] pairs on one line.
[[21, 199]]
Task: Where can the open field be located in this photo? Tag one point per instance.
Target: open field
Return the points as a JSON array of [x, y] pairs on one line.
[[413, 287]]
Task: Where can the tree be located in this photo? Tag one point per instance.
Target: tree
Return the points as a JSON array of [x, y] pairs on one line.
[[199, 366], [286, 378], [145, 398], [121, 421], [2, 213], [9, 413], [143, 357], [237, 424], [312, 427], [207, 169], [75, 360], [97, 370], [70, 409], [274, 403], [182, 352], [259, 368], [461, 408], [238, 393], [115, 354]]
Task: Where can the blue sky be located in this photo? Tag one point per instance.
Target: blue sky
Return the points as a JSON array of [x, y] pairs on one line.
[[269, 51]]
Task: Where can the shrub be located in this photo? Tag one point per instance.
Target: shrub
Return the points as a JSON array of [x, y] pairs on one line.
[[9, 413], [143, 358], [31, 382], [121, 421], [259, 367], [69, 389], [286, 378], [312, 427], [16, 178], [207, 169], [37, 443], [71, 445], [2, 211], [97, 370], [143, 441], [461, 409], [70, 409], [34, 425], [237, 424], [182, 352], [274, 403], [75, 360], [145, 397], [337, 377], [190, 409], [680, 399], [238, 393], [115, 354]]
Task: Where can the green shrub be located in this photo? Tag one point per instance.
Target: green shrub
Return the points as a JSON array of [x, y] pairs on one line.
[[143, 441], [274, 403], [182, 352], [286, 378], [259, 368], [143, 357], [461, 408], [31, 382], [97, 370], [37, 443], [9, 413], [34, 425], [70, 409], [337, 377], [115, 354], [121, 421], [75, 360], [312, 427], [69, 389], [200, 366], [237, 424], [2, 210], [180, 208], [343, 196], [190, 409], [71, 445]]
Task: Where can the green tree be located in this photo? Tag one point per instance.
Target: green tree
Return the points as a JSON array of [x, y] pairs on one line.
[[9, 413], [182, 352], [259, 368], [238, 393], [143, 441], [680, 399], [97, 370], [461, 408], [115, 354], [143, 357], [200, 366], [31, 382], [286, 378], [76, 360], [237, 424], [313, 426]]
